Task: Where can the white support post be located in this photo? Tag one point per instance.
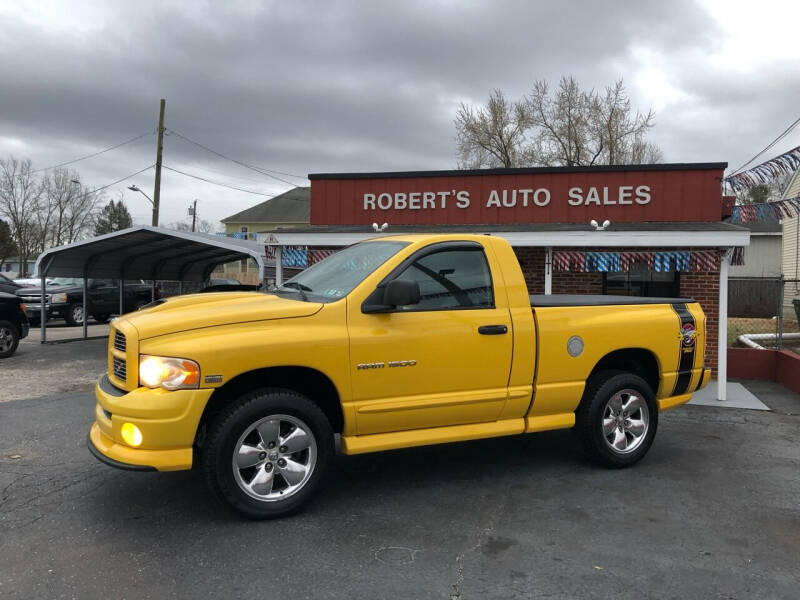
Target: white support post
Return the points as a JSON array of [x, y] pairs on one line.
[[548, 270], [722, 331], [278, 266]]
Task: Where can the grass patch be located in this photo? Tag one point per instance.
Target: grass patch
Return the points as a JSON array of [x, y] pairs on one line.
[[738, 326]]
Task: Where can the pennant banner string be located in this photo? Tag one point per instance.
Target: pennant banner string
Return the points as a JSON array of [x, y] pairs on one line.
[[768, 211], [788, 162]]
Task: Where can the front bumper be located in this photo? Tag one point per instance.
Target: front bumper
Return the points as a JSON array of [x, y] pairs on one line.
[[34, 310], [168, 422], [24, 330]]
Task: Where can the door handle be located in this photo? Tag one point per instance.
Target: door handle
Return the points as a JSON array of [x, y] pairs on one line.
[[492, 329]]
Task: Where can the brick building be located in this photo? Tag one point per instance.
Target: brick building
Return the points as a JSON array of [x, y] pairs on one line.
[[650, 230]]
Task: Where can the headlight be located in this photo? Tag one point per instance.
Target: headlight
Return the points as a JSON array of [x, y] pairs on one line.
[[58, 298], [167, 372]]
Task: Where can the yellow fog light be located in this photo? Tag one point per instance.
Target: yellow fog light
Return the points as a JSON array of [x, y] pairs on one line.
[[131, 434]]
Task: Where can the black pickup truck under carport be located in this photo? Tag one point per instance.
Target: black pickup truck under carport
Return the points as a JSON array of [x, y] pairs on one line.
[[65, 299]]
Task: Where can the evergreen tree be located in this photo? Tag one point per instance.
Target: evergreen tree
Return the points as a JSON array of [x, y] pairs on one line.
[[113, 217], [7, 246]]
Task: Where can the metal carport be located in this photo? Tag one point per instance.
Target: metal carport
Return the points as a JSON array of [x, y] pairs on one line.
[[143, 252]]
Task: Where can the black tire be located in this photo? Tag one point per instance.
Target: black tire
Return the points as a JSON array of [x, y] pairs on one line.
[[596, 414], [9, 338], [225, 434], [101, 318], [75, 314]]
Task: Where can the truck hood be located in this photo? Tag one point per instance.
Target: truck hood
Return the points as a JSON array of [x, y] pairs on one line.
[[196, 311]]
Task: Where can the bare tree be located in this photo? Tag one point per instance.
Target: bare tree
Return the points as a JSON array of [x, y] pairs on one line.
[[20, 201], [493, 136], [201, 225], [70, 208], [619, 133], [567, 126]]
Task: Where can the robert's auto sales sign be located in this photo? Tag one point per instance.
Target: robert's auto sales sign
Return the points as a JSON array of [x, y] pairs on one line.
[[633, 194]]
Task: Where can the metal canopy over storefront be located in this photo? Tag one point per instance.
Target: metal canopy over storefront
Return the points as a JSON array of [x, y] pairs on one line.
[[144, 252]]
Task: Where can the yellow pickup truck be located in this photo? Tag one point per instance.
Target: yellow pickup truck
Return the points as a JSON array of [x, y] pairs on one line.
[[393, 342]]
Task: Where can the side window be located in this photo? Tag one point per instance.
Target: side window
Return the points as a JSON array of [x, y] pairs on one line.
[[451, 279]]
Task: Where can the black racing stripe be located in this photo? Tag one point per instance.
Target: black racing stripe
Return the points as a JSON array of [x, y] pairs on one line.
[[700, 379], [685, 353]]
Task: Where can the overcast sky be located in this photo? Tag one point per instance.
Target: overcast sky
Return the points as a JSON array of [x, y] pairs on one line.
[[304, 87]]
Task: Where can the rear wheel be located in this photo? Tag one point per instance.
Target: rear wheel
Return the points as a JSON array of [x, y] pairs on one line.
[[617, 419], [9, 338], [267, 453], [74, 315]]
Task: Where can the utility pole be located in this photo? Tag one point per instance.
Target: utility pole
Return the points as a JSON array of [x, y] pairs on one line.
[[159, 151], [193, 210]]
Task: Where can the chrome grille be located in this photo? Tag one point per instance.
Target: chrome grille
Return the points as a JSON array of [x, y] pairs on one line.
[[119, 341], [120, 369], [36, 298]]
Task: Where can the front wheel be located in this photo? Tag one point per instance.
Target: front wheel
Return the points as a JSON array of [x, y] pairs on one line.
[[74, 315], [267, 453], [9, 338], [617, 419]]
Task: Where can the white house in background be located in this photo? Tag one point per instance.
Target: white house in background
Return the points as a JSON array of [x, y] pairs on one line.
[[762, 258], [791, 249], [11, 267]]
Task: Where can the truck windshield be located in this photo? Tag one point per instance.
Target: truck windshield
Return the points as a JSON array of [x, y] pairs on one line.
[[67, 281], [336, 276]]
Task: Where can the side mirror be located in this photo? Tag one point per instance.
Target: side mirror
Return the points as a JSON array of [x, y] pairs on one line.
[[395, 293], [401, 293]]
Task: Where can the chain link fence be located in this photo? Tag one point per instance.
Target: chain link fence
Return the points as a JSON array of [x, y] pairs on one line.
[[763, 312]]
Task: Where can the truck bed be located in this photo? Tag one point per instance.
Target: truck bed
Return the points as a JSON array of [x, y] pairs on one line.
[[541, 300]]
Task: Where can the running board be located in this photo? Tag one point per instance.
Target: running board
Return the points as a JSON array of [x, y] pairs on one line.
[[376, 442]]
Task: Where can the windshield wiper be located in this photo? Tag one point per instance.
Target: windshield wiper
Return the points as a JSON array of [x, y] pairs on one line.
[[301, 289]]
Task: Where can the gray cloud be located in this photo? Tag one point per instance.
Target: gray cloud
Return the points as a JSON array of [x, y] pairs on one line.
[[308, 87]]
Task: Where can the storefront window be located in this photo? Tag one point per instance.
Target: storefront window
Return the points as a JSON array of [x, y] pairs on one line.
[[642, 281]]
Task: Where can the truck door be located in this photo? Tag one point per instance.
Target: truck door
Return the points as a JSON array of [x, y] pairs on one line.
[[444, 361], [101, 292]]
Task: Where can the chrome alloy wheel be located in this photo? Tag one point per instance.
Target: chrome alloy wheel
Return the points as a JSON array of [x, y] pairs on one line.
[[6, 339], [274, 458], [77, 313], [626, 419]]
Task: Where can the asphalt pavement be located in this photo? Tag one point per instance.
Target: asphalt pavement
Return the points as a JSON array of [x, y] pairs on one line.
[[67, 365], [712, 512]]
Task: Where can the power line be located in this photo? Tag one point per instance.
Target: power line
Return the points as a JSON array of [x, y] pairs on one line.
[[250, 179], [225, 185], [263, 171], [123, 179], [775, 141], [69, 162]]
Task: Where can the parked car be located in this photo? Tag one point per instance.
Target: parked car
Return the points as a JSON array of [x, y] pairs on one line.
[[394, 342], [64, 298], [13, 323], [32, 282], [7, 285]]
